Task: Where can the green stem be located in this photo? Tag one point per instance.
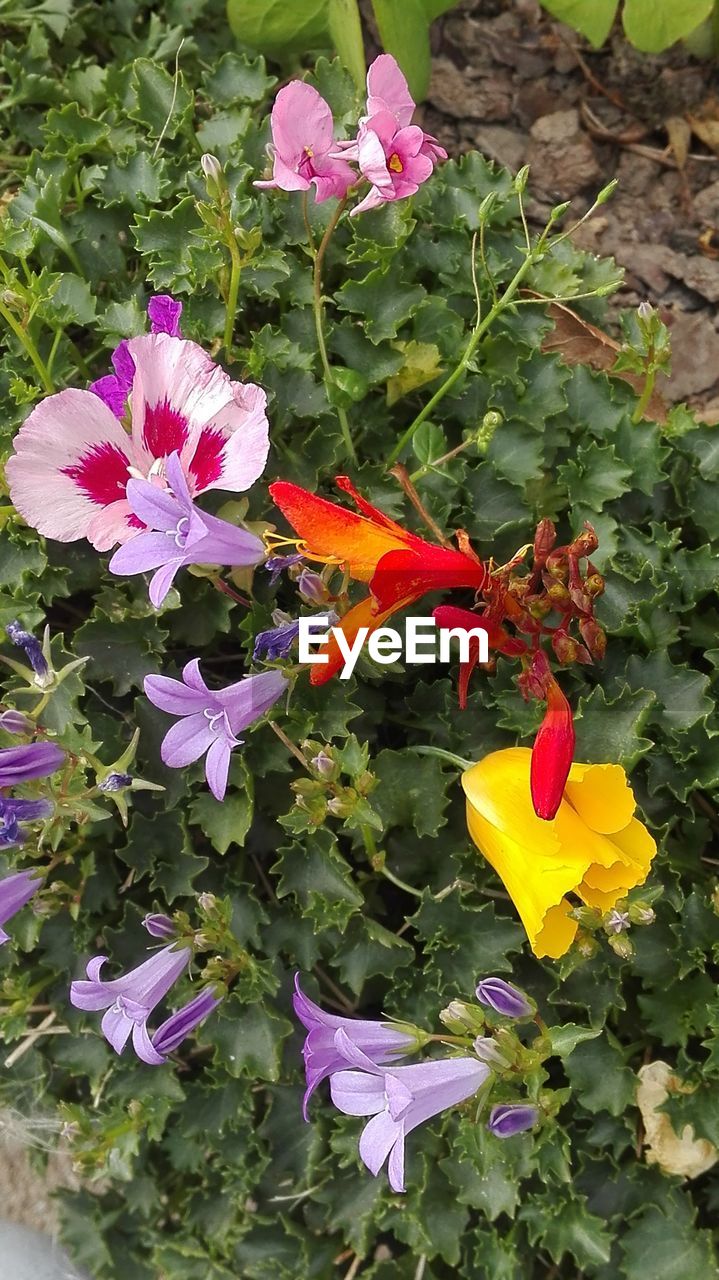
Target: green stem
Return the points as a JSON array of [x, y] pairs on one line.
[[28, 346], [475, 338], [318, 309], [233, 290], [646, 395], [441, 754]]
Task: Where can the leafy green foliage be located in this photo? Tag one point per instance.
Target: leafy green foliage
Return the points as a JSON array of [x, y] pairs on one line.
[[651, 25], [203, 1168]]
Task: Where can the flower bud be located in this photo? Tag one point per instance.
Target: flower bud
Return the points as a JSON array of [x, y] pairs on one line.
[[544, 539], [616, 921], [607, 192], [325, 766], [487, 1050], [511, 1117], [312, 588], [585, 543], [594, 585], [520, 181], [342, 806], [115, 782], [594, 638], [645, 311], [159, 926], [621, 945], [206, 902], [15, 722], [641, 913], [586, 945], [461, 1017], [559, 595], [565, 648], [556, 565], [505, 999]]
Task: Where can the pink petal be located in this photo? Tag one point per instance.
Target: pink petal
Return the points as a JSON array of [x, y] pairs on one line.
[[287, 178], [387, 90], [300, 119], [232, 453], [373, 159], [70, 461], [332, 179], [112, 524], [372, 200]]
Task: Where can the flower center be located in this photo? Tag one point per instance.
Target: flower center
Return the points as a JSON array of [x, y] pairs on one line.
[[217, 720], [395, 164], [179, 533]]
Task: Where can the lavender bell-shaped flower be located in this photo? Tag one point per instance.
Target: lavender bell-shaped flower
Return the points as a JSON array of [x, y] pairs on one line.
[[509, 1118], [398, 1099], [13, 812], [15, 891], [130, 1000], [22, 764], [174, 1029], [210, 718], [380, 1041], [277, 641], [177, 534], [504, 998]]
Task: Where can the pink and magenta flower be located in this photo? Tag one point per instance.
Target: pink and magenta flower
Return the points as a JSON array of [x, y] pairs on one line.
[[75, 455], [303, 144]]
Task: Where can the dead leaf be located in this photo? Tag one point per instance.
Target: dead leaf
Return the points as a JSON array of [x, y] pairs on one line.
[[677, 1153], [576, 341], [680, 136], [707, 131]]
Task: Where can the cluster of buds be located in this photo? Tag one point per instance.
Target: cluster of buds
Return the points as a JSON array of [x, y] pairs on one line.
[[614, 925], [323, 793]]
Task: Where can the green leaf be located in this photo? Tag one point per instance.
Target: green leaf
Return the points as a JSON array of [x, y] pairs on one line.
[[411, 791], [345, 28], [161, 101], [592, 18], [610, 731], [249, 1040], [599, 1077], [596, 477], [278, 28], [564, 1039], [225, 823], [654, 25], [404, 31], [664, 1243]]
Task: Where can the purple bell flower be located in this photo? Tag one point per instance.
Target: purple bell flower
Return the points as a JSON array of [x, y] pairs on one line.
[[130, 1000], [15, 891], [178, 534], [174, 1029], [276, 642], [210, 718], [32, 648], [164, 314], [380, 1041], [509, 1118], [398, 1099], [276, 564], [22, 764], [504, 998], [13, 812]]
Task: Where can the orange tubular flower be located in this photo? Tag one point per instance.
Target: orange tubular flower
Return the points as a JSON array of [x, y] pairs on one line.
[[399, 566]]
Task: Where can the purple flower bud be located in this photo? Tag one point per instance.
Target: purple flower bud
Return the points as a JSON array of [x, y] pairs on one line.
[[277, 642], [115, 782], [487, 1050], [15, 722], [511, 1117], [36, 760], [324, 764], [159, 926], [276, 564], [211, 167], [15, 891], [32, 649], [311, 586], [504, 998], [173, 1030]]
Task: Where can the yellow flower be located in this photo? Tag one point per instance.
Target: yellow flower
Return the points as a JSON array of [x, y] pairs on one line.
[[594, 848]]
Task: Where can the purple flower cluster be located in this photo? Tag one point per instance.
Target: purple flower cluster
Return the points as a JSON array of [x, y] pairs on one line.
[[359, 1058], [129, 1001], [19, 765]]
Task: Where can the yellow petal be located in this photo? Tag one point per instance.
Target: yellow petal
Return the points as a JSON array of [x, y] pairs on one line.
[[601, 796]]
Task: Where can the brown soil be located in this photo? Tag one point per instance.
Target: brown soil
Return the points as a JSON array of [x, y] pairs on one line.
[[524, 89]]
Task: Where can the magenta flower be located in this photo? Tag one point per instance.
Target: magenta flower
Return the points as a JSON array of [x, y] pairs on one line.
[[74, 456], [130, 1000], [511, 1117], [380, 1041], [35, 760], [177, 533], [398, 1099], [505, 999], [15, 891], [173, 1030], [210, 718], [302, 145]]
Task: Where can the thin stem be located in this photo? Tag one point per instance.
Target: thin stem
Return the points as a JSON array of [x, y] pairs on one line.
[[439, 462], [28, 346], [318, 309], [287, 742], [441, 754], [400, 473], [475, 338], [234, 287], [395, 880], [646, 395]]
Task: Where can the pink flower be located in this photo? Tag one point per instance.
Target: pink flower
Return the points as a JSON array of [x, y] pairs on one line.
[[74, 456], [302, 145], [394, 155]]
